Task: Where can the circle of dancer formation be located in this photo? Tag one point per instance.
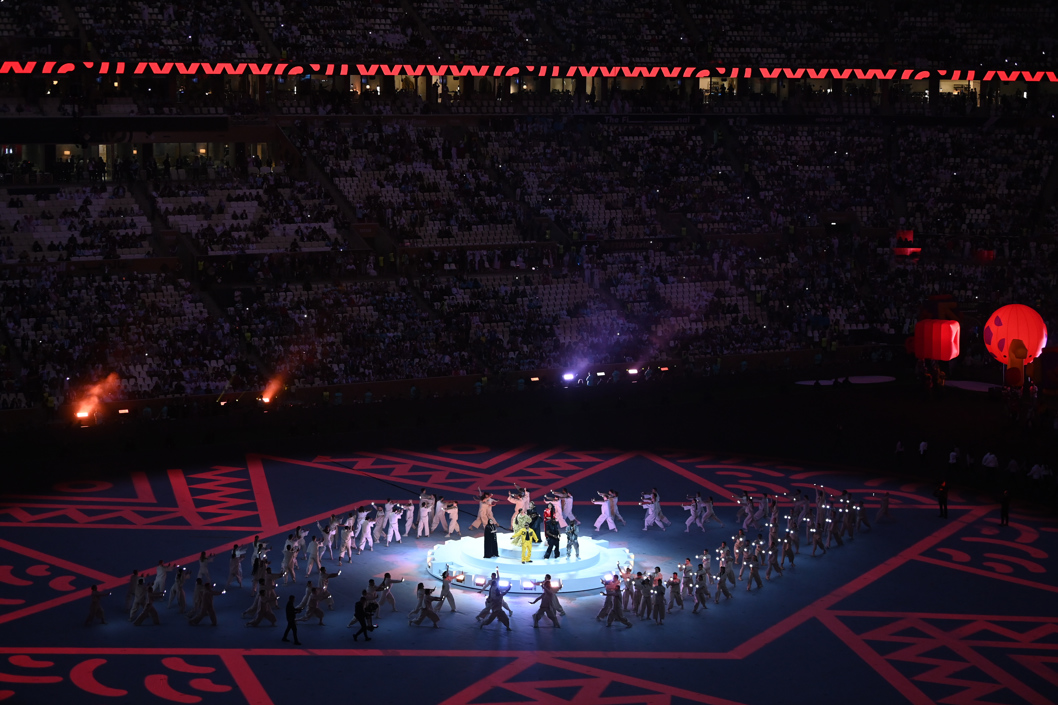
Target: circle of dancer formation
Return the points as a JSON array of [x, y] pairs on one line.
[[649, 595]]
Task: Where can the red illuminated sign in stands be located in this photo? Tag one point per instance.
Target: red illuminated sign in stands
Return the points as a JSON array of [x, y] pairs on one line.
[[205, 68]]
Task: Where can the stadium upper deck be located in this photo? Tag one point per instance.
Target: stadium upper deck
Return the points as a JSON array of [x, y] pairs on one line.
[[937, 35]]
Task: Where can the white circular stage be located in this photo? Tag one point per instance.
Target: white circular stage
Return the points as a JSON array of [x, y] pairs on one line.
[[466, 557]]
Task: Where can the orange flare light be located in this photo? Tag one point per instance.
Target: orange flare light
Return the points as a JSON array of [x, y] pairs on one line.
[[90, 400], [273, 387]]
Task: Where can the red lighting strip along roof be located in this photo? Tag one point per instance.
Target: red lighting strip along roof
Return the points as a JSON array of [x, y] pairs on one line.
[[287, 68]]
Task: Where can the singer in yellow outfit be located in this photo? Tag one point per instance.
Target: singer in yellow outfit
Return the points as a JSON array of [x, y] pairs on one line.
[[524, 535]]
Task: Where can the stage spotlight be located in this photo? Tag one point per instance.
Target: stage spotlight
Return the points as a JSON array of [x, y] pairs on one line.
[[569, 377], [82, 414], [557, 584], [632, 371], [608, 577], [504, 583], [534, 379], [123, 411], [600, 374], [479, 580], [461, 577], [527, 585]]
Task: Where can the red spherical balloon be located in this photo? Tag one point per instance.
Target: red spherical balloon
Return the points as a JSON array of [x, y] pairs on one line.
[[1015, 322]]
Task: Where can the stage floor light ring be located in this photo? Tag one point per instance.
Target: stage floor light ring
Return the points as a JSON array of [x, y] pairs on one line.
[[466, 555]]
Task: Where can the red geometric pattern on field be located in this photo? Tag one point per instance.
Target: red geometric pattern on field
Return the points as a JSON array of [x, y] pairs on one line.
[[953, 657], [64, 675], [1045, 667], [223, 493], [587, 686], [124, 516], [31, 581], [216, 492], [983, 550], [543, 470], [203, 499]]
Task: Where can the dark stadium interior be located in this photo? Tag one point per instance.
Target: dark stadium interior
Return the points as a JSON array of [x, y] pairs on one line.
[[263, 262]]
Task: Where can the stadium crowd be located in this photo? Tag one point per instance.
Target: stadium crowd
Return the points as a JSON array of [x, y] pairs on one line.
[[933, 35], [518, 224], [520, 244]]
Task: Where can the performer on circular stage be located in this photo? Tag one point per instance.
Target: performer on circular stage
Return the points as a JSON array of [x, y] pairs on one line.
[[524, 535], [535, 523], [492, 549]]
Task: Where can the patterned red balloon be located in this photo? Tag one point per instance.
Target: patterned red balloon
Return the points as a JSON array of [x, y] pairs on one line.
[[1015, 322]]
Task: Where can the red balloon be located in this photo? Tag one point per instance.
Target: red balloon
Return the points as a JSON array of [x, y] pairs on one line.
[[936, 339], [1015, 322]]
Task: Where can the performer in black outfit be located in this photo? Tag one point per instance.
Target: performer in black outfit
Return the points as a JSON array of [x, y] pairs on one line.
[[360, 615], [492, 549], [941, 493], [292, 624], [551, 529], [535, 520]]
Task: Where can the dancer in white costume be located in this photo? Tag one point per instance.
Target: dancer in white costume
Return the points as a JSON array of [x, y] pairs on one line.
[[289, 563], [452, 510], [346, 552], [95, 608], [329, 531], [177, 593], [615, 510], [653, 515], [694, 507], [393, 532], [709, 514], [439, 517], [427, 511], [657, 501], [520, 499], [554, 501], [409, 517], [567, 503], [203, 566], [235, 564], [485, 504], [604, 512], [206, 608], [446, 590]]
